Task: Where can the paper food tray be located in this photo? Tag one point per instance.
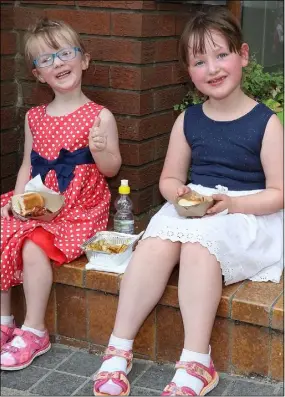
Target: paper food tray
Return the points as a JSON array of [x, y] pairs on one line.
[[114, 238], [53, 202], [198, 210]]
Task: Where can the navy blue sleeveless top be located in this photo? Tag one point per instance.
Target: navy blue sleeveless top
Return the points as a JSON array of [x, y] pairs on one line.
[[227, 153]]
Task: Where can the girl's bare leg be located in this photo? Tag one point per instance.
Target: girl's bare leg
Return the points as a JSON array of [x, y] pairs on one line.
[[37, 282], [199, 290], [142, 286], [143, 283], [6, 303]]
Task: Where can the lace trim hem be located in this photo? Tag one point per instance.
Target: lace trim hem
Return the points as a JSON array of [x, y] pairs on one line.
[[227, 270]]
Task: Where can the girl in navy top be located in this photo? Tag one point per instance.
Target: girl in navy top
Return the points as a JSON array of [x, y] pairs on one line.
[[234, 148]]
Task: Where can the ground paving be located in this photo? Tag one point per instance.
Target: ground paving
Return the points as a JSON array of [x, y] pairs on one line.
[[65, 371]]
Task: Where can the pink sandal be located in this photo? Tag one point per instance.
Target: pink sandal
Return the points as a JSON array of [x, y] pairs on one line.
[[22, 357], [208, 376], [117, 377], [6, 334]]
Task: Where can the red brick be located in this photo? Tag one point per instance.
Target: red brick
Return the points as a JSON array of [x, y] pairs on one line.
[[114, 49], [156, 76], [181, 21], [125, 77], [158, 25], [21, 114], [22, 70], [7, 68], [26, 16], [8, 118], [145, 127], [50, 2], [174, 7], [91, 22], [9, 142], [166, 50], [157, 197], [97, 75], [8, 184], [159, 50], [179, 75], [141, 78], [8, 43], [161, 145], [142, 221], [124, 102], [137, 153], [9, 165], [7, 18], [9, 94], [139, 177], [142, 200], [166, 98], [126, 24], [127, 4], [36, 94]]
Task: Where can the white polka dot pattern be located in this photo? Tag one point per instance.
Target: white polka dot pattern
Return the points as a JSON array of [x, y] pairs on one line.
[[87, 199]]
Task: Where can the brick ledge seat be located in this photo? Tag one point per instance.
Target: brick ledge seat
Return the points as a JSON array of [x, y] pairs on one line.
[[247, 336]]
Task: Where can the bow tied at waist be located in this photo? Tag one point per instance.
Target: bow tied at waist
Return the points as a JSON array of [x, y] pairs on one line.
[[63, 166]]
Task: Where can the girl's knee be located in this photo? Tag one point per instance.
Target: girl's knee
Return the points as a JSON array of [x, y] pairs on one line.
[[195, 252], [29, 248], [155, 245], [31, 252]]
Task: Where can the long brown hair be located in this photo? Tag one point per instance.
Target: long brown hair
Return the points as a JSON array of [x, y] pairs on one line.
[[200, 26]]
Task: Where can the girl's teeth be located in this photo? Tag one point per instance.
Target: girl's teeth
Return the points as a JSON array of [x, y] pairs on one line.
[[215, 81], [62, 74]]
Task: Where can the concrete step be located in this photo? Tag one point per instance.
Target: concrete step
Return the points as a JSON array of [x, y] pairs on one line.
[[247, 337]]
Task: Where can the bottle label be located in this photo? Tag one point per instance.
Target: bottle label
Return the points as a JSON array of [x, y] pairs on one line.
[[121, 226]]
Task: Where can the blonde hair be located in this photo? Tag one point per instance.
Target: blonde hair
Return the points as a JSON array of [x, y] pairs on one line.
[[200, 26], [50, 32]]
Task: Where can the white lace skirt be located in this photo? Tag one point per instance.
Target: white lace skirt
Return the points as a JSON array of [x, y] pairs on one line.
[[246, 246]]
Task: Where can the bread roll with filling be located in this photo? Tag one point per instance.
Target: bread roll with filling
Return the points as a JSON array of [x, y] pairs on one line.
[[188, 203], [26, 203]]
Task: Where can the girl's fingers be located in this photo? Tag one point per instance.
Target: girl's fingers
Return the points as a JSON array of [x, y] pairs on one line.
[[182, 190]]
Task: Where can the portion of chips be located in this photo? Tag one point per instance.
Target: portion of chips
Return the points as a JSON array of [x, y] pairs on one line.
[[104, 246]]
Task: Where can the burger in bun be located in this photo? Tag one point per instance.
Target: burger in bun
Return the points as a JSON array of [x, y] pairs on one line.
[[29, 204]]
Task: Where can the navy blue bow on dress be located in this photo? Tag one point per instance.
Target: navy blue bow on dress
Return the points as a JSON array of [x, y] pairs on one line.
[[63, 166]]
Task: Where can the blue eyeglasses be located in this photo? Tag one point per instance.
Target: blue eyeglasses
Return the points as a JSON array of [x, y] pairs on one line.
[[66, 54]]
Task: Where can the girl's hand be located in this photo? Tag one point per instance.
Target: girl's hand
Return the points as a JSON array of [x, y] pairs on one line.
[[6, 211], [183, 189], [97, 140], [18, 216], [223, 202]]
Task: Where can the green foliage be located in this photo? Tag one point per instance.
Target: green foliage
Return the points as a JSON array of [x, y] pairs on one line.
[[264, 87]]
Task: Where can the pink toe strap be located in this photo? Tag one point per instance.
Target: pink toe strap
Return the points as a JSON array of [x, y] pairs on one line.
[[173, 390], [197, 370], [117, 377]]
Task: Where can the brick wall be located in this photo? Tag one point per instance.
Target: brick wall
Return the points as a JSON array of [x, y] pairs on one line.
[[134, 72], [9, 98]]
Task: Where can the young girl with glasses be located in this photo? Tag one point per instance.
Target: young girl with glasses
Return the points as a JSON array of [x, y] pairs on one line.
[[72, 143], [232, 141]]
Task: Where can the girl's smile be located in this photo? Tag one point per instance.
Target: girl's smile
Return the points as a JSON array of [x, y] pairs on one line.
[[217, 81]]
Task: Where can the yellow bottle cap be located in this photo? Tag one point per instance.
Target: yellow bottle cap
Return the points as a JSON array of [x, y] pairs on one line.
[[124, 188]]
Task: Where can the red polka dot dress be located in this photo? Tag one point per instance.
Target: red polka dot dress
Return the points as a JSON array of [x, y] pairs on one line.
[[87, 197]]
